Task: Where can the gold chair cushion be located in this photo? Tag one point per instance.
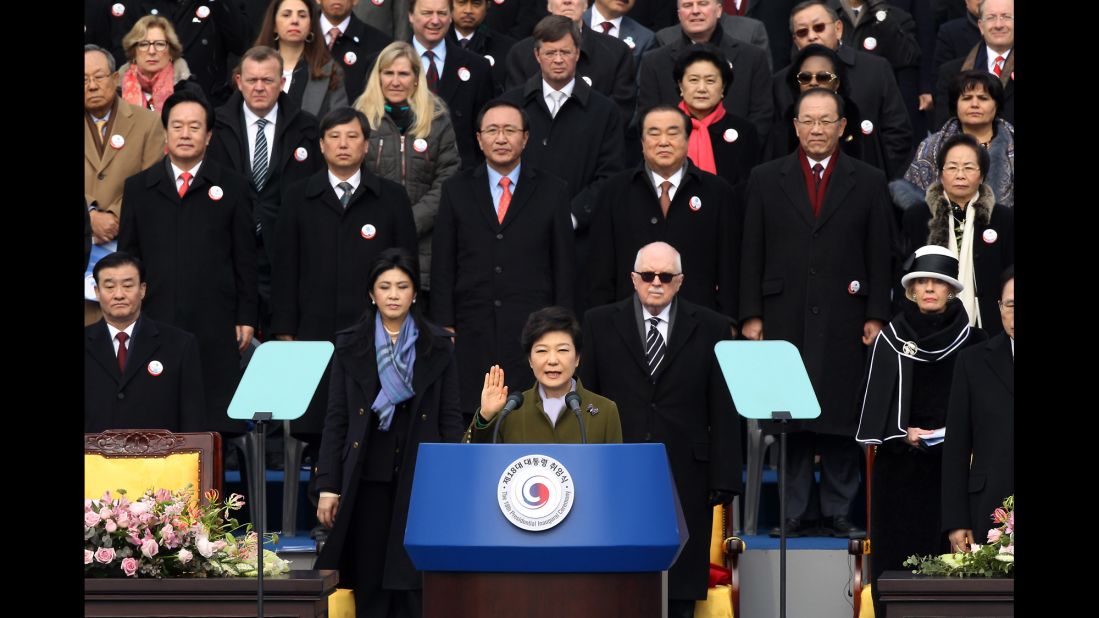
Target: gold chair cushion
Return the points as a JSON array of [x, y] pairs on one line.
[[341, 603], [718, 603], [136, 474]]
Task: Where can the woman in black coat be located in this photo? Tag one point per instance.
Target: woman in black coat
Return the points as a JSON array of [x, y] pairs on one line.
[[904, 411], [394, 384], [961, 214]]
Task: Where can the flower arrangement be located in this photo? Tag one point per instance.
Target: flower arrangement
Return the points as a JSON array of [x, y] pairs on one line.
[[996, 558], [168, 534]]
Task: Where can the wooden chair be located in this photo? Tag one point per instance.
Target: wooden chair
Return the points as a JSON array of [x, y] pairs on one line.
[[139, 459], [863, 605], [723, 600]]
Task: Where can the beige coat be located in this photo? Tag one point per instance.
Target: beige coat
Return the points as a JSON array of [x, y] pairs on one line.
[[142, 145]]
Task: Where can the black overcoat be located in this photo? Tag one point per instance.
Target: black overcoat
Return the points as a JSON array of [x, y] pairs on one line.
[[687, 408], [493, 46], [816, 280], [353, 51], [200, 262], [487, 276]]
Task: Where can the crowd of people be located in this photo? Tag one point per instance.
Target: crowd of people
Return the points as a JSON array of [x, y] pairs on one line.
[[572, 202]]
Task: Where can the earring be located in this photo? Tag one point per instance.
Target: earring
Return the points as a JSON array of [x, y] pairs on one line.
[[309, 39], [413, 301], [372, 302], [276, 36], [950, 296]]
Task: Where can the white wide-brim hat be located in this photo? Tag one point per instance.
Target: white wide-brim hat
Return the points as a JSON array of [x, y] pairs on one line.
[[935, 262]]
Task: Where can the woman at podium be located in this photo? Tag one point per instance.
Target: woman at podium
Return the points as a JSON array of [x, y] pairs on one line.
[[547, 414], [904, 410], [394, 385]]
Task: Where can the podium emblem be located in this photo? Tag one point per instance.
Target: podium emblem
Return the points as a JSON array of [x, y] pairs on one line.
[[535, 492]]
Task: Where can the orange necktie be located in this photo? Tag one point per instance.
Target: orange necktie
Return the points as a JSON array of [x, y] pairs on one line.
[[505, 199], [186, 176]]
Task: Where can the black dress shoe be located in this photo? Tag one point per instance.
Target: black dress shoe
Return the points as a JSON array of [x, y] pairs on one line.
[[794, 528], [842, 527]]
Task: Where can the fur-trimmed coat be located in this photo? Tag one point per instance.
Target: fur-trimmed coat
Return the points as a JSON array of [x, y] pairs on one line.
[[923, 172], [929, 223]]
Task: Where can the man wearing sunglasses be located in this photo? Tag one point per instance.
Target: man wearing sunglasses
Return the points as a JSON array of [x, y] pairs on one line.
[[815, 271], [667, 198], [653, 354], [871, 85], [747, 97]]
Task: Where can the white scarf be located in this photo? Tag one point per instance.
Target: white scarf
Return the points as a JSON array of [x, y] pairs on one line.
[[966, 274]]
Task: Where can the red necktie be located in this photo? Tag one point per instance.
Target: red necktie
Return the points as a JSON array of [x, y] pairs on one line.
[[998, 68], [186, 176], [606, 27], [505, 198], [333, 34], [730, 8], [432, 72], [122, 337]]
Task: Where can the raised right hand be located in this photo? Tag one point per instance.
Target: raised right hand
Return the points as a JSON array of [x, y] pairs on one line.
[[495, 393]]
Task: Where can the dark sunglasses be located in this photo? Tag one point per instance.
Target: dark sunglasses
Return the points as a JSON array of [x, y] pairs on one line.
[[648, 276], [823, 77], [801, 33]]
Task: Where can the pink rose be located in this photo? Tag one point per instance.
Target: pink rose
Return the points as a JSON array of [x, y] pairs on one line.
[[123, 520], [110, 525], [129, 567], [149, 548], [994, 535], [185, 556], [105, 513], [87, 556], [1007, 549], [104, 555], [1011, 523], [139, 508], [91, 518]]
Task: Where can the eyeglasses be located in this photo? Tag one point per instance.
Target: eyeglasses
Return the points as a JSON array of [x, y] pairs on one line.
[[564, 54], [1008, 307], [968, 170], [492, 131], [1005, 17], [649, 275], [823, 77], [99, 79], [801, 33], [810, 123], [157, 45]]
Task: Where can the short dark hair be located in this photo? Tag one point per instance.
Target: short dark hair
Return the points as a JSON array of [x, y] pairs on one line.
[[812, 92], [554, 28], [962, 139], [704, 53], [259, 53], [402, 260], [344, 115], [1005, 277], [116, 259], [664, 107], [494, 103], [550, 320], [970, 80], [187, 96], [801, 6]]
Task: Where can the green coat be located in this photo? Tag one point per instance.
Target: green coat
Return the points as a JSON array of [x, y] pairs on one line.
[[528, 424]]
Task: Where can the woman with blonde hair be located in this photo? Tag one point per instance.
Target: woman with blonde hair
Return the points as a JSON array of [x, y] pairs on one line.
[[411, 138], [313, 81], [156, 68]]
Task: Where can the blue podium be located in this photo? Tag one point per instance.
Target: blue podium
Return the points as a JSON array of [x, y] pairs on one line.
[[544, 529]]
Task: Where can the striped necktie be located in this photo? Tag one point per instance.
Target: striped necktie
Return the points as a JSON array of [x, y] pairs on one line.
[[654, 346], [259, 160]]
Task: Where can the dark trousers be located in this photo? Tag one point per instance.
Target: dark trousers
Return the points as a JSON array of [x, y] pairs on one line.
[[369, 539], [839, 473], [681, 608]]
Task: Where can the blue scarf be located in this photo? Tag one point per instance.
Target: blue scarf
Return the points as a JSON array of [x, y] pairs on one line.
[[395, 363]]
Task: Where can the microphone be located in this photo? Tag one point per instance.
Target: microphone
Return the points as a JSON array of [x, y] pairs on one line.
[[572, 400], [514, 401]]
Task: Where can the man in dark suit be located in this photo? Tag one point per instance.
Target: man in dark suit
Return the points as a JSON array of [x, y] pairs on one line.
[[653, 355], [604, 63], [667, 198], [331, 227], [610, 17], [461, 78], [871, 86], [749, 95], [470, 32], [741, 28], [488, 215], [385, 15], [575, 132], [351, 42], [979, 456], [209, 31], [515, 18], [957, 36], [190, 221], [138, 373], [262, 135], [995, 53], [815, 271]]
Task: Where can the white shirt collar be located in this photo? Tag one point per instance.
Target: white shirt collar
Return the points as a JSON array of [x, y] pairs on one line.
[[676, 178], [326, 25], [990, 55], [597, 19], [354, 180], [567, 88], [129, 330], [439, 50], [251, 117], [824, 162], [664, 314], [176, 172]]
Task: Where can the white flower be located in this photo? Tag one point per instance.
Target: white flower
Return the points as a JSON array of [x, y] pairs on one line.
[[204, 546]]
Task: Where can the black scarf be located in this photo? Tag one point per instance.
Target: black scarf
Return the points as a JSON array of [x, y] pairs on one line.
[[401, 114], [911, 337]]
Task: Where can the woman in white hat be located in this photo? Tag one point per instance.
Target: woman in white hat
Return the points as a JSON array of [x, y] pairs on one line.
[[904, 410]]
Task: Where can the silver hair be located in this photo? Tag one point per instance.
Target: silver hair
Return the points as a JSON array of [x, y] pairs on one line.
[[678, 258], [110, 57]]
